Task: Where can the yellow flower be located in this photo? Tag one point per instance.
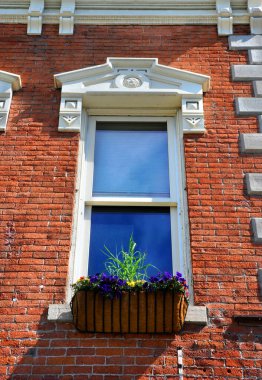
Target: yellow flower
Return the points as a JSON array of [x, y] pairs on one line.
[[139, 282], [134, 283]]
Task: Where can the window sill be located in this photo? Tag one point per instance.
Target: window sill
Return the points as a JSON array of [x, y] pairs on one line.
[[62, 313]]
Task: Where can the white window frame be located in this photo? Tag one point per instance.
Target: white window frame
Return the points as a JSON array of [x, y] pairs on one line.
[[177, 200]]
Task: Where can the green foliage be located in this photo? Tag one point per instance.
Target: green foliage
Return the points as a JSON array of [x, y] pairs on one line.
[[128, 265]]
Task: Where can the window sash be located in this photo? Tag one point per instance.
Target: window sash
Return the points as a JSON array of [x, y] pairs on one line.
[[91, 199], [86, 200]]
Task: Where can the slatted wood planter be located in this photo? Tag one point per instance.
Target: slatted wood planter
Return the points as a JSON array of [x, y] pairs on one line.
[[161, 311]]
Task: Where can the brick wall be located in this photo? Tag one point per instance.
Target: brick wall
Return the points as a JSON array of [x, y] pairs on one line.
[[38, 167]]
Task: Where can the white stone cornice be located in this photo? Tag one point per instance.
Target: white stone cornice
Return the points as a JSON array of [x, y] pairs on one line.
[[225, 19], [66, 13], [8, 83], [132, 86], [35, 12], [255, 10], [13, 79], [66, 21]]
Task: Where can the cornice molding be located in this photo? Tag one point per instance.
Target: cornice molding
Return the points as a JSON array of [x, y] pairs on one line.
[[8, 83], [13, 79], [67, 13], [132, 86]]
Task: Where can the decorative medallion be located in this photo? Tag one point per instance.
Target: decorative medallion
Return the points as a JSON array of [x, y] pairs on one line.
[[132, 82], [132, 79]]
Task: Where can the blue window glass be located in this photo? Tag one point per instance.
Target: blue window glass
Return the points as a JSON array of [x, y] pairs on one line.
[[131, 159], [112, 227]]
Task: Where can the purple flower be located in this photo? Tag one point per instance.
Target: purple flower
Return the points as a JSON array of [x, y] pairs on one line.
[[106, 288], [153, 279], [94, 278], [166, 276]]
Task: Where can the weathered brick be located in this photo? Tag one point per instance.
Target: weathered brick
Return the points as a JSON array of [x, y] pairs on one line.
[[37, 191]]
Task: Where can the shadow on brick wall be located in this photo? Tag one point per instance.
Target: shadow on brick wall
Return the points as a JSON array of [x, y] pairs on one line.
[[59, 351]]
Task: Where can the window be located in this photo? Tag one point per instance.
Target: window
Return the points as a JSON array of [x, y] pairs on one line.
[[131, 184], [130, 88]]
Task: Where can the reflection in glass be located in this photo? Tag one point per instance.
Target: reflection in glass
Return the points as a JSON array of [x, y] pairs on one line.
[[131, 159], [112, 226]]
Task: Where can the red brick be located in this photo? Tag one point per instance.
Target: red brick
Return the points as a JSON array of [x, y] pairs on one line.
[[37, 198]]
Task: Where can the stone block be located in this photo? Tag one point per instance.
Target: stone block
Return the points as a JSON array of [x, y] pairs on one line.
[[248, 106], [240, 42], [259, 118], [254, 183], [250, 143], [259, 275], [255, 56], [257, 85], [246, 72], [60, 312], [256, 225]]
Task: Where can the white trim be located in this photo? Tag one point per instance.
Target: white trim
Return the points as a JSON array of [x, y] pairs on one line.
[[35, 13], [105, 12], [130, 201], [13, 79], [90, 153], [183, 207], [66, 20], [159, 91], [82, 227], [8, 83], [78, 209], [156, 71]]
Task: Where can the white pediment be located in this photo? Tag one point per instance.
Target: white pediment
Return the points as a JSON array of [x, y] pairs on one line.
[[8, 83], [128, 86], [111, 76]]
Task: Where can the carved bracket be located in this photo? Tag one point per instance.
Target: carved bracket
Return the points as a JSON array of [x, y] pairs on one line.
[[34, 25], [193, 115], [225, 19], [255, 11], [70, 114], [66, 20], [8, 83]]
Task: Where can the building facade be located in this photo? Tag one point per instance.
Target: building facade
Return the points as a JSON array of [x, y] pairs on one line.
[[192, 69]]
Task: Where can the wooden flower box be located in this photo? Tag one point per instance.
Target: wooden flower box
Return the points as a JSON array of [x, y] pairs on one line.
[[161, 311]]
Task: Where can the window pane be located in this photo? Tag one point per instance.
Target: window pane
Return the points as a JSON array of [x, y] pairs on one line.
[[131, 159], [112, 227]]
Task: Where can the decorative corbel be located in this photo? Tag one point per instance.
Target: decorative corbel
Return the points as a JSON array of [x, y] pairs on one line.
[[193, 115], [66, 21], [70, 114], [8, 83], [255, 11], [35, 13], [225, 19]]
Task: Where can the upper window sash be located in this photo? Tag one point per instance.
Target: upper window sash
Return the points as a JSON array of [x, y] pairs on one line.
[[135, 200]]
